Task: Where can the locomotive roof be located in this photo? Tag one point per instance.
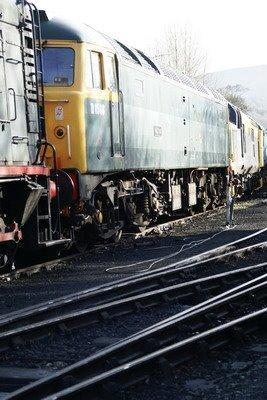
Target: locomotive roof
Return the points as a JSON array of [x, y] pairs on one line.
[[56, 29], [61, 30]]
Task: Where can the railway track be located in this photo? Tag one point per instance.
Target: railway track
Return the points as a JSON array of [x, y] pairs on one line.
[[186, 282], [220, 250], [166, 226], [12, 379], [188, 292], [158, 228], [28, 271], [203, 327], [158, 280]]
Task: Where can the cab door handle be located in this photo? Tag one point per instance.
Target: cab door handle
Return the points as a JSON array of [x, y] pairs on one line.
[[15, 104], [13, 61]]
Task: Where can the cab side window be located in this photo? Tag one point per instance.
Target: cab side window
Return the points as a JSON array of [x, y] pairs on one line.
[[89, 76], [252, 134], [243, 141], [94, 70], [111, 73]]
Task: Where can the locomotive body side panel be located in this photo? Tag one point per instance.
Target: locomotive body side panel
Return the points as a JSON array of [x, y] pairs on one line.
[[167, 126], [161, 130], [19, 123]]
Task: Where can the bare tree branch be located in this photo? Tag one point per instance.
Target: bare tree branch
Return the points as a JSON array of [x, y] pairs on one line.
[[180, 49], [235, 95]]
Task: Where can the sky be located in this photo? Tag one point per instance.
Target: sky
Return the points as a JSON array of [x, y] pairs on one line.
[[232, 32]]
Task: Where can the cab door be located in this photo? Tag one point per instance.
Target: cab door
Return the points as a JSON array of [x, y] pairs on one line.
[[115, 111]]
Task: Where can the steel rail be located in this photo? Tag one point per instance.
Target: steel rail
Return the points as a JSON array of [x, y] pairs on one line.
[[27, 271], [171, 356], [109, 291], [159, 228], [198, 257], [53, 263], [12, 378], [187, 292], [220, 249], [152, 339]]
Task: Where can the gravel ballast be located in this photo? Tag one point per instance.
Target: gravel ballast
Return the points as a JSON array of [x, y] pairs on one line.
[[206, 380]]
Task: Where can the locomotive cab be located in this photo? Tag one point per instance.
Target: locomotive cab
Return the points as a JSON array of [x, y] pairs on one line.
[[82, 100], [246, 148], [83, 107]]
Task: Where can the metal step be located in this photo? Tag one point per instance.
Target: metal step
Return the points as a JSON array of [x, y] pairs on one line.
[[43, 217], [58, 242]]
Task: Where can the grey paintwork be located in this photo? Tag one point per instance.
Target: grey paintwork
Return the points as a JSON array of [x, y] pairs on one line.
[[17, 144], [165, 127]]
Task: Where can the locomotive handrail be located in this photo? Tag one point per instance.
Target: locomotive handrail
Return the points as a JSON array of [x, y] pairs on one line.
[[20, 139], [121, 121], [111, 129], [56, 101], [38, 71], [13, 61], [42, 156], [15, 104]]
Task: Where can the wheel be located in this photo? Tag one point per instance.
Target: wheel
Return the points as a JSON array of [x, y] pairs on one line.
[[7, 255], [116, 237], [82, 239], [141, 222], [141, 228], [3, 260], [213, 206], [191, 211]]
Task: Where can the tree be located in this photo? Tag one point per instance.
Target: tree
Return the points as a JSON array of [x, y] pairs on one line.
[[235, 95], [180, 49]]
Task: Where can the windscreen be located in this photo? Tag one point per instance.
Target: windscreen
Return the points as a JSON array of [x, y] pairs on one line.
[[58, 65]]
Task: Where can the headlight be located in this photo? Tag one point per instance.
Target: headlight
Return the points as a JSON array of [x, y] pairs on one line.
[[60, 132]]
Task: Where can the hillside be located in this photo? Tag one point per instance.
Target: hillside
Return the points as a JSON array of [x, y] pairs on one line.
[[252, 78]]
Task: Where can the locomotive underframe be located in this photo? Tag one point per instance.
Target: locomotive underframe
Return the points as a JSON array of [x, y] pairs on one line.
[[138, 198], [19, 196]]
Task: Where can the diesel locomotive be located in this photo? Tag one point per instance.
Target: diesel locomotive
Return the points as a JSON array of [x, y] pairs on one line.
[[134, 139], [96, 135], [26, 186]]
